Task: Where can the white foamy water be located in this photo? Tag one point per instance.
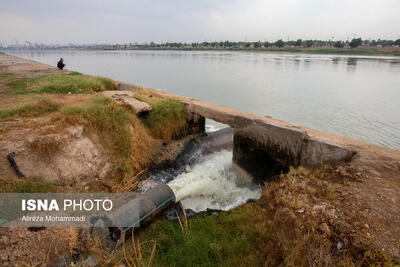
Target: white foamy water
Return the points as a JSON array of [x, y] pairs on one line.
[[211, 184], [211, 128]]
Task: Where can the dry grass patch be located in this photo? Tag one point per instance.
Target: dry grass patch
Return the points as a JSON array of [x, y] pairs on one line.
[[147, 97], [39, 108], [46, 146]]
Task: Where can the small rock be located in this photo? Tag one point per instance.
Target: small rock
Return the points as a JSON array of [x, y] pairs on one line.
[[3, 256], [323, 227], [188, 169], [366, 226], [300, 211], [3, 240], [339, 245], [316, 209], [331, 213], [91, 261]]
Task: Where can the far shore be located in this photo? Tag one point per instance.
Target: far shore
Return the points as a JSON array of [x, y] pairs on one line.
[[289, 50], [361, 51]]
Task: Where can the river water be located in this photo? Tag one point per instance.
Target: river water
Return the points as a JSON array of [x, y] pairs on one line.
[[353, 96]]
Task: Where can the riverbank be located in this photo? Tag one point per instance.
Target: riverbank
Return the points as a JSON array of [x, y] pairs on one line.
[[326, 51], [341, 215]]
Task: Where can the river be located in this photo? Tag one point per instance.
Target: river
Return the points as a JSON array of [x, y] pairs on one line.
[[353, 96]]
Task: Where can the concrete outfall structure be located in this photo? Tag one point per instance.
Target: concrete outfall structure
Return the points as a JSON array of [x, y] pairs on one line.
[[264, 146]]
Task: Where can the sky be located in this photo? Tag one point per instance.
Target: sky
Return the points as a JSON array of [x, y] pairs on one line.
[[125, 21]]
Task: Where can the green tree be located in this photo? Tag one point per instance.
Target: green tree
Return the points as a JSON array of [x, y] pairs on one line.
[[397, 42], [338, 44], [280, 43], [355, 42], [299, 42], [257, 44], [309, 43]]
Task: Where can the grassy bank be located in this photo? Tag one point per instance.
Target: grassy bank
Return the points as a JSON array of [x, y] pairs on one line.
[[39, 108], [167, 119], [73, 83], [118, 129], [27, 185], [6, 74], [72, 99], [291, 225]]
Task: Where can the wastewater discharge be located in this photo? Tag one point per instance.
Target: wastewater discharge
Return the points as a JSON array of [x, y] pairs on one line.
[[211, 184]]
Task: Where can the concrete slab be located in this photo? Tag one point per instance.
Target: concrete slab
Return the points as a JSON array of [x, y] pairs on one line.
[[126, 97]]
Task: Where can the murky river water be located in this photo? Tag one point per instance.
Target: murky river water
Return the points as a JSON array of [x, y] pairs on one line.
[[353, 96]]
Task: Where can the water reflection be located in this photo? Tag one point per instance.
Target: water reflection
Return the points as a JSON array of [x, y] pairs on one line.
[[352, 61]]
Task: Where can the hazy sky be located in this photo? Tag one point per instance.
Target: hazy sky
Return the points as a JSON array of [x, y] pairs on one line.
[[124, 21]]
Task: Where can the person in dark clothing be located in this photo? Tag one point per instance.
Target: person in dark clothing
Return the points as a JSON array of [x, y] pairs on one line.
[[61, 64]]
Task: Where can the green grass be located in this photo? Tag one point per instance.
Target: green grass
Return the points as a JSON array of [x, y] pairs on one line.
[[29, 110], [75, 73], [353, 51], [27, 185], [220, 240], [6, 74], [74, 83], [166, 118]]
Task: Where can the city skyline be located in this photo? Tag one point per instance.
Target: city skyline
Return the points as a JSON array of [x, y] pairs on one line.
[[126, 21]]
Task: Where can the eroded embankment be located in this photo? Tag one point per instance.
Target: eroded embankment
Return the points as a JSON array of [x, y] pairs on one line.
[[67, 136]]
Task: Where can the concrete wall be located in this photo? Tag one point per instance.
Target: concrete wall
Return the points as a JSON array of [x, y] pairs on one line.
[[262, 143]]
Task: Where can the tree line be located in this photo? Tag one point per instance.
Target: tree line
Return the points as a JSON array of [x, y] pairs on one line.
[[299, 43], [355, 42]]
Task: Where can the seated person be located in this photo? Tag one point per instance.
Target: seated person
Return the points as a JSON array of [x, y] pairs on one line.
[[61, 64]]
